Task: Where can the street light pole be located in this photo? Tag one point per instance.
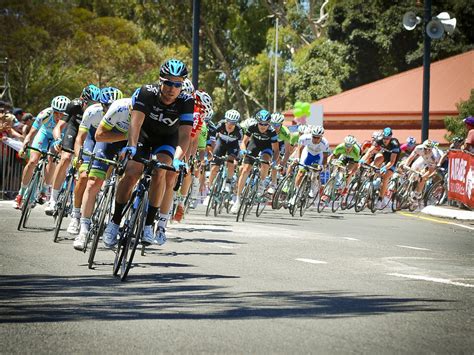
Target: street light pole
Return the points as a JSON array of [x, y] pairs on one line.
[[425, 123], [275, 84], [196, 24]]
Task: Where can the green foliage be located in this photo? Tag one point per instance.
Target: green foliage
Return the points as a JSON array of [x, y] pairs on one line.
[[455, 124]]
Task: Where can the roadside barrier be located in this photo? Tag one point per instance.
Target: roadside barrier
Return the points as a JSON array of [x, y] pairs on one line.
[[10, 176], [461, 177]]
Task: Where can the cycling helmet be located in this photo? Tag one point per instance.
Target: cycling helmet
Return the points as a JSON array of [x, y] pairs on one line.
[[411, 141], [204, 100], [174, 67], [387, 132], [263, 116], [187, 87], [376, 134], [469, 120], [209, 115], [91, 93], [59, 103], [302, 128], [428, 144], [350, 141], [277, 118], [457, 140], [317, 131], [232, 116], [109, 95]]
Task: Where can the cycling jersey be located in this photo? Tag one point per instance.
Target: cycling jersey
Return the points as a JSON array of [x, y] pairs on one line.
[[45, 124], [354, 154], [306, 140], [74, 112], [118, 116], [161, 119], [91, 118], [430, 156], [222, 134], [247, 123], [294, 137], [202, 140], [269, 135], [393, 146], [284, 135], [211, 133]]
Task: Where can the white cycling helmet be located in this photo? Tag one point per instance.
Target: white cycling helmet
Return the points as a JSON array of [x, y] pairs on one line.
[[302, 128], [277, 118], [187, 87], [209, 115], [350, 141], [204, 99], [317, 131], [59, 103], [232, 116]]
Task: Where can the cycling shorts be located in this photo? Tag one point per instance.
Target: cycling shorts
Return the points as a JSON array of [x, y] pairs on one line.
[[105, 151], [42, 140], [257, 149], [70, 134], [165, 144], [225, 148], [309, 159]]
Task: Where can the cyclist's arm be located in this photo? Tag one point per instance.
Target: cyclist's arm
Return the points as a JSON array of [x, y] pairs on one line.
[[276, 152], [183, 141], [57, 130], [243, 144], [79, 142], [136, 122], [105, 134], [30, 136]]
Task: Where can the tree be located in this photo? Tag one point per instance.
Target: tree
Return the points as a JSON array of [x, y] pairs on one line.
[[455, 124]]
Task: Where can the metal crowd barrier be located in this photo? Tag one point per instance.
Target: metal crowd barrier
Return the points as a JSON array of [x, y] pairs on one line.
[[11, 172]]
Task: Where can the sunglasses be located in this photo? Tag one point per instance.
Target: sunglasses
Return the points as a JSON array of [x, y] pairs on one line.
[[263, 124], [390, 137], [175, 84], [317, 137], [348, 146], [276, 125]]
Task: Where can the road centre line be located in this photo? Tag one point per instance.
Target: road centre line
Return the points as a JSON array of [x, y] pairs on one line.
[[415, 248], [435, 220], [311, 261], [354, 239], [431, 279]]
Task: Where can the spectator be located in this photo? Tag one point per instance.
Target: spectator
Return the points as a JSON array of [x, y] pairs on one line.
[[27, 121], [469, 142]]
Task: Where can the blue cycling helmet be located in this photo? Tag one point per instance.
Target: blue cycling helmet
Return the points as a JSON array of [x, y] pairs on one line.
[[263, 116], [91, 93], [135, 96], [411, 141], [174, 67], [387, 132], [109, 95]]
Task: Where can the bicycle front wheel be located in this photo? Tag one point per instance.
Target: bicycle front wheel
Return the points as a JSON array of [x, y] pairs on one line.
[[29, 201]]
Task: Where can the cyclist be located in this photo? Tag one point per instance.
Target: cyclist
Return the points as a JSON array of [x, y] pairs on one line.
[[260, 139], [387, 160], [161, 123], [407, 148], [424, 156], [228, 135], [313, 148], [284, 141], [376, 135], [202, 105], [86, 139], [70, 123], [110, 137], [348, 153], [42, 132]]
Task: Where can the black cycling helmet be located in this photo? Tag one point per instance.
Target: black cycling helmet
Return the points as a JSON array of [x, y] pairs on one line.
[[174, 67]]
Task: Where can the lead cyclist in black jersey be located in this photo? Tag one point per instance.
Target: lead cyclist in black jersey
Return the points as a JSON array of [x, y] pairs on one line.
[[161, 123]]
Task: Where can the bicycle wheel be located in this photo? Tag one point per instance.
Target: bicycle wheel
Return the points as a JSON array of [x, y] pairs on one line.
[[349, 200], [210, 205], [362, 196], [243, 201], [315, 187], [305, 196], [134, 238], [123, 231], [375, 194], [97, 230], [435, 194], [29, 201], [218, 199], [325, 196], [281, 193], [299, 197], [62, 207], [261, 204], [249, 204]]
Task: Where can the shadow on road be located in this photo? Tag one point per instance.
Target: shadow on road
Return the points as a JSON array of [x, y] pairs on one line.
[[46, 298], [202, 240]]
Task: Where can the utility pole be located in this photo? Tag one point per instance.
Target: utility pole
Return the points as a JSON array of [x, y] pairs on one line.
[[275, 84], [196, 25], [425, 123]]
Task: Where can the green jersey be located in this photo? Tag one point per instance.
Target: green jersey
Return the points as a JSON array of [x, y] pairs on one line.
[[294, 138], [284, 135], [354, 154]]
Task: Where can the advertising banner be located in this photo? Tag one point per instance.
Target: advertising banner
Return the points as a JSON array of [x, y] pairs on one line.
[[461, 177]]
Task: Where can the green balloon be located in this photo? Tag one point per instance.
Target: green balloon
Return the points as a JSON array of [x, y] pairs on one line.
[[298, 104], [298, 112], [306, 106]]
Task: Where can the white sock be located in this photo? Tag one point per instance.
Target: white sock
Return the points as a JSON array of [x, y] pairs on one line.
[[54, 195], [85, 225], [76, 212], [163, 219]]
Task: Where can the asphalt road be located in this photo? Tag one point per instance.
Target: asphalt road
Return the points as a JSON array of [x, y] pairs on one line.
[[325, 283]]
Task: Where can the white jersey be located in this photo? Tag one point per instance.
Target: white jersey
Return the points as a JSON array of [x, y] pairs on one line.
[[118, 115], [92, 117], [306, 140], [430, 156]]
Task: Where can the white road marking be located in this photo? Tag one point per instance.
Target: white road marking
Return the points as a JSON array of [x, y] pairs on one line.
[[225, 246], [409, 247], [431, 279], [311, 261], [355, 239]]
